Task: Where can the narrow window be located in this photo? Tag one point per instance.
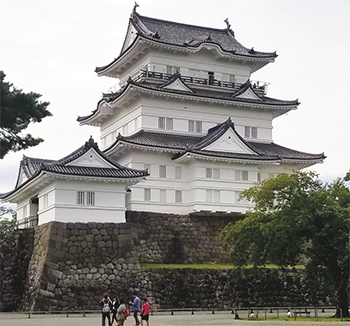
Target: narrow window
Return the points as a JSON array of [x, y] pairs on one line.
[[191, 126], [90, 198], [169, 124], [80, 198], [209, 172], [232, 78], [147, 194], [247, 132], [162, 171], [258, 177], [161, 123], [178, 172], [254, 132], [199, 126], [245, 175], [178, 196]]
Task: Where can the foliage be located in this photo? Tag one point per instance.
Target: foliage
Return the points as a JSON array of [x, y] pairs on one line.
[[8, 226], [18, 110], [297, 216]]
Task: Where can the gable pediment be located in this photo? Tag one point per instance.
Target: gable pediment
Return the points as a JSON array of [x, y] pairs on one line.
[[249, 94], [178, 85], [229, 142], [90, 159]]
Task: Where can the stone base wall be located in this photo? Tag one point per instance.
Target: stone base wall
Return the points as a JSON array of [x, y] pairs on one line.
[[171, 238], [72, 265], [14, 262]]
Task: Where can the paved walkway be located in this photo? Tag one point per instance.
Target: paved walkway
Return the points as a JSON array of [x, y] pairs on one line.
[[180, 319]]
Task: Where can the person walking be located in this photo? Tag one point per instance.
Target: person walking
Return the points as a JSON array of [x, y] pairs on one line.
[[115, 305], [136, 307], [121, 313], [106, 305], [145, 312]]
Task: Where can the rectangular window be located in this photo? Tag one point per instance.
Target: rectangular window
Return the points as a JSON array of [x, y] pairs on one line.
[[80, 198], [251, 132], [271, 175], [241, 175], [254, 132], [90, 198], [178, 196], [178, 172], [147, 194], [161, 123], [162, 171], [247, 132], [213, 196], [232, 78], [209, 172], [169, 124], [162, 195], [216, 173], [191, 125], [165, 123], [258, 177], [199, 126], [195, 126]]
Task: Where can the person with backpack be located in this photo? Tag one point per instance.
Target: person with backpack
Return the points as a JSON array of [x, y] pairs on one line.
[[106, 305], [121, 313]]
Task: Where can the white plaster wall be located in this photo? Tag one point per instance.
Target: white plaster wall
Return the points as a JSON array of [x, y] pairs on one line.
[[62, 205]]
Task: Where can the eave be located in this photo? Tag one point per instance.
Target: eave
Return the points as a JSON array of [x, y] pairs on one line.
[[142, 44], [190, 156], [106, 109]]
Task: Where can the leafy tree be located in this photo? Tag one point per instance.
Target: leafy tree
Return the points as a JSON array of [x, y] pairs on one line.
[[297, 216], [8, 226], [17, 110]]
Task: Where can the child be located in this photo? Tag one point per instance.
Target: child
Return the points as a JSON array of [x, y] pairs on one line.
[[145, 312]]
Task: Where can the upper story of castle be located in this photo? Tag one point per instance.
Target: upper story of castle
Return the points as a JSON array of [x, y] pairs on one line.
[[155, 49]]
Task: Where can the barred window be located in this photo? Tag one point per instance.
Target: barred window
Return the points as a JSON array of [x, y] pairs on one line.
[[162, 171], [80, 198], [178, 196], [90, 198]]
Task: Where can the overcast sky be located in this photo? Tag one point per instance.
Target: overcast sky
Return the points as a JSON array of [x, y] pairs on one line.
[[52, 47]]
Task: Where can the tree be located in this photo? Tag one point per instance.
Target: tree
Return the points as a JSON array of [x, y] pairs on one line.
[[297, 216], [8, 226], [17, 110]]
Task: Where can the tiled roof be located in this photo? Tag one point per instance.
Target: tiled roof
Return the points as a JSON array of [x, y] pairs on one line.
[[191, 144], [33, 167], [186, 35]]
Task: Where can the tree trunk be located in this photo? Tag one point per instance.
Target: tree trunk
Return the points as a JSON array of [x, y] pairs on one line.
[[342, 310]]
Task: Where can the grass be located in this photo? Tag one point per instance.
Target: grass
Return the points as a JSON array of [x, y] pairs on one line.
[[204, 266]]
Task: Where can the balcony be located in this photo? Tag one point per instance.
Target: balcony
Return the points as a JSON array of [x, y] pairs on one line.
[[159, 77]]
